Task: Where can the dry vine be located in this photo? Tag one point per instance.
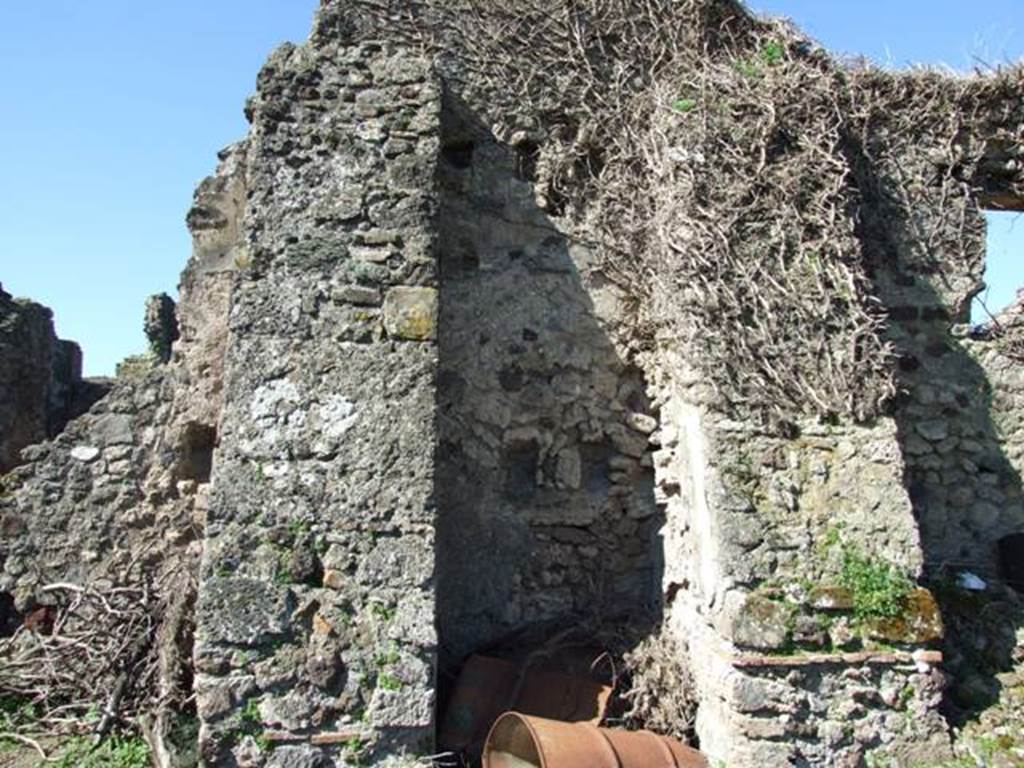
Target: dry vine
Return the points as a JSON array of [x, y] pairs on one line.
[[661, 694], [717, 157], [90, 665]]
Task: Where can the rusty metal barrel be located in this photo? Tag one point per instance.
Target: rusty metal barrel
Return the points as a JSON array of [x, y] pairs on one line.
[[522, 741]]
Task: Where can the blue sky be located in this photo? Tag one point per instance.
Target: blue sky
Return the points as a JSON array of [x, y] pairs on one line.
[[112, 110]]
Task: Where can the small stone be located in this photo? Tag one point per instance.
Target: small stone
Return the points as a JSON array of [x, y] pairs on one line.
[[808, 630], [411, 313], [242, 612], [933, 430], [830, 598], [569, 471], [984, 514], [322, 626], [920, 623], [334, 579], [642, 423], [749, 694], [291, 711], [360, 295], [372, 254], [915, 446], [324, 670], [622, 463], [842, 633], [762, 624], [379, 237], [368, 103], [626, 441], [113, 429], [85, 453], [214, 701]]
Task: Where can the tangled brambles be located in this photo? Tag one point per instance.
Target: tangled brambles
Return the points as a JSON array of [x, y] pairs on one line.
[[725, 167], [661, 692], [100, 661]]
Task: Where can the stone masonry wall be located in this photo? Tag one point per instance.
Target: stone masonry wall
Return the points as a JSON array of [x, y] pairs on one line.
[[120, 495], [756, 530], [315, 624], [544, 460], [41, 386], [404, 418]]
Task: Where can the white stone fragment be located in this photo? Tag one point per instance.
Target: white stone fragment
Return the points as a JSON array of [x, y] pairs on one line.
[[85, 453], [971, 582]]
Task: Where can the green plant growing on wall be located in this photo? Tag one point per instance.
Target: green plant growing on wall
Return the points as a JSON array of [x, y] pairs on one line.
[[389, 682], [283, 575], [382, 612], [879, 589], [355, 750], [251, 718], [384, 661]]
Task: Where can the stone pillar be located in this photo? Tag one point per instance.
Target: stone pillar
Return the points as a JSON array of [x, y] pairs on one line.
[[315, 624], [775, 547]]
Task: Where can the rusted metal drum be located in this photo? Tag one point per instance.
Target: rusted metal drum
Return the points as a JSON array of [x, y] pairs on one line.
[[522, 741], [546, 744], [485, 690], [487, 687], [636, 748], [684, 756]]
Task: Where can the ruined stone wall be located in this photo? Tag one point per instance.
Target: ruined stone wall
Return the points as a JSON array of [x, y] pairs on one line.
[[757, 529], [1002, 369], [41, 384], [119, 496], [407, 415], [315, 618], [545, 487], [924, 232], [965, 493]]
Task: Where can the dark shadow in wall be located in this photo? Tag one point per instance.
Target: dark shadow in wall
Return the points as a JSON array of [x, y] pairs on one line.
[[965, 492], [195, 452], [545, 488]]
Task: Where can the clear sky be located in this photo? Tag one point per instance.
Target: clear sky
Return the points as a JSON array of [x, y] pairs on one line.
[[112, 110]]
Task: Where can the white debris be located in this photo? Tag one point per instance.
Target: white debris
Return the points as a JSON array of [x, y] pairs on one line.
[[85, 453], [972, 582]]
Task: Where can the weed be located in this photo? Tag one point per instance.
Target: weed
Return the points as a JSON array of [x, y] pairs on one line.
[[250, 717], [388, 658], [684, 106], [223, 571], [747, 68], [298, 529], [116, 752], [389, 682], [355, 750], [16, 712], [773, 53], [879, 589], [382, 611], [283, 576], [263, 742]]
